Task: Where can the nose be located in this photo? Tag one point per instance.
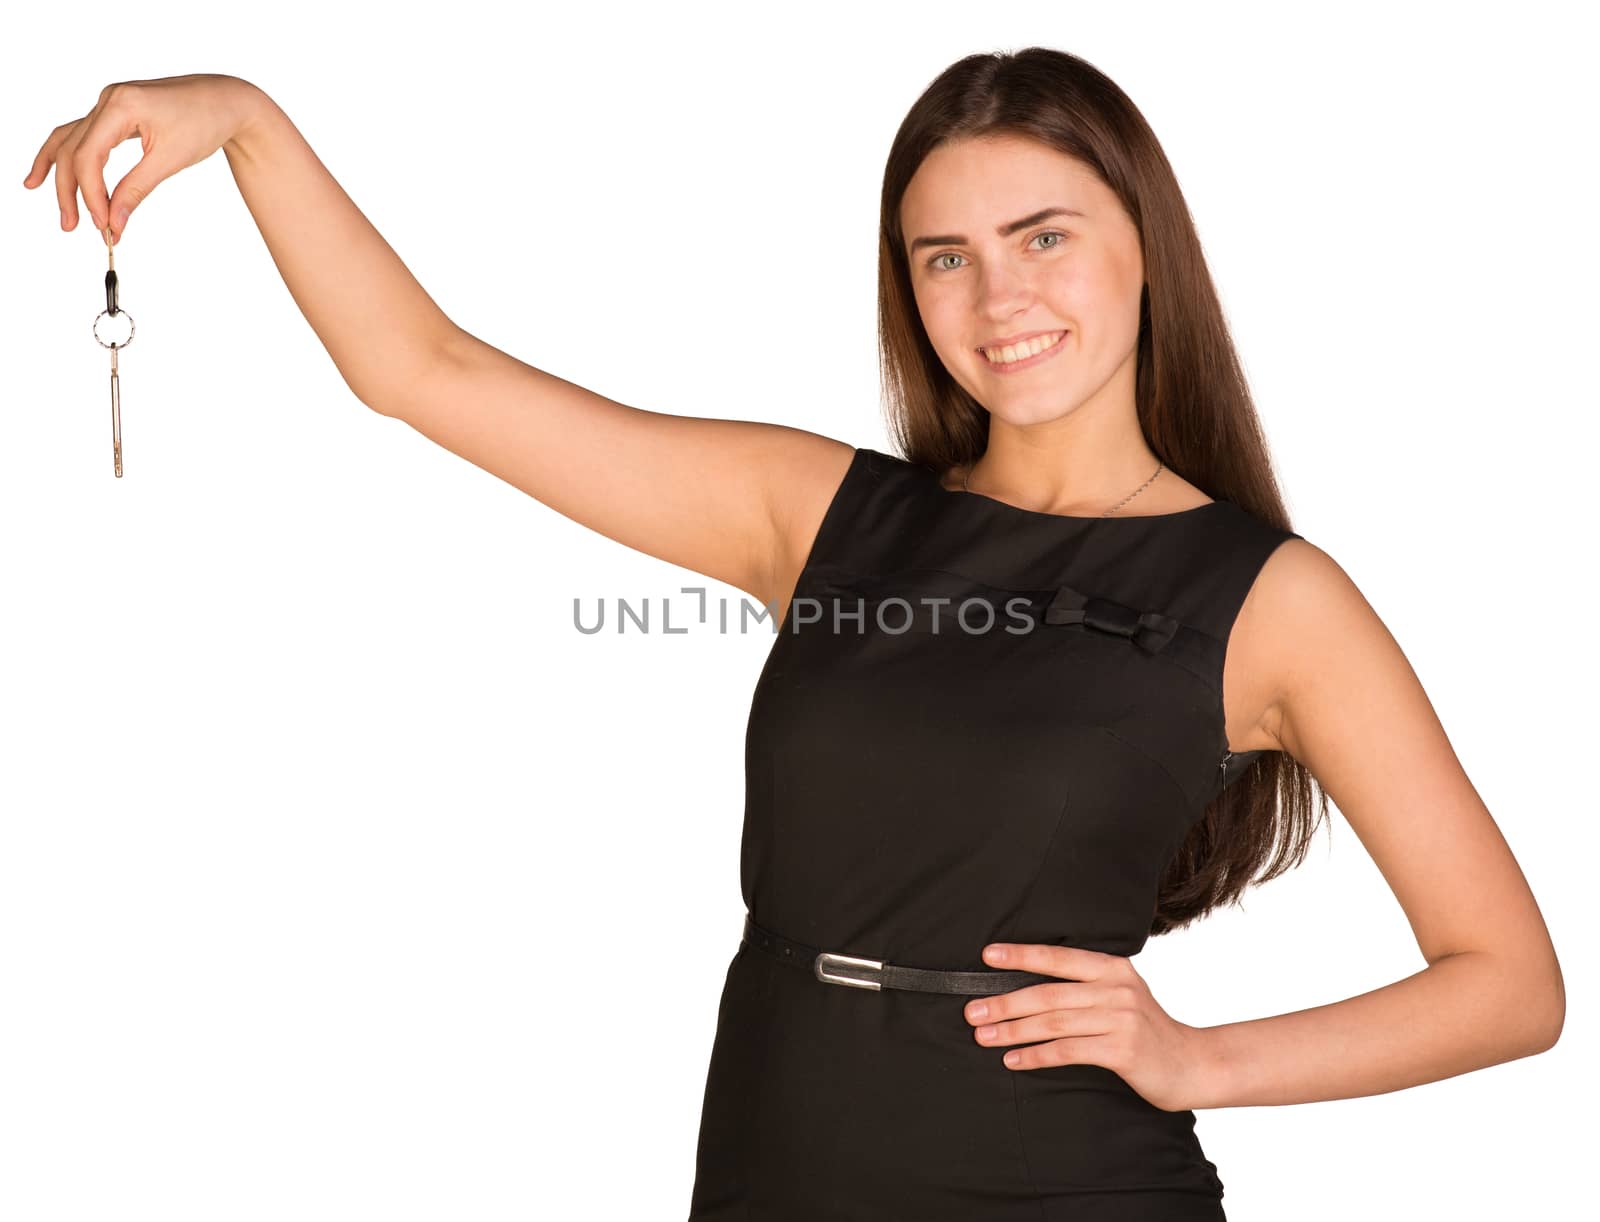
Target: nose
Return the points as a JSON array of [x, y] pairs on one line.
[[1003, 293]]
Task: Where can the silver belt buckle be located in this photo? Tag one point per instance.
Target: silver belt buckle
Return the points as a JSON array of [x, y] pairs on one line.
[[828, 959]]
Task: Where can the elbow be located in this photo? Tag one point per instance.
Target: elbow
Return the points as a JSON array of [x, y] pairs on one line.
[[1551, 995], [1550, 1032], [1528, 998], [431, 379]]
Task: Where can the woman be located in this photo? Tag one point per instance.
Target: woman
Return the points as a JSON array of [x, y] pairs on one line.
[[1059, 678]]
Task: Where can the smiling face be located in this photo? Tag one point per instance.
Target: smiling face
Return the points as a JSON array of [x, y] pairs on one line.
[[1003, 264]]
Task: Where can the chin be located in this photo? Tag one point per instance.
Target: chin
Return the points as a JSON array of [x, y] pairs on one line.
[[1039, 406]]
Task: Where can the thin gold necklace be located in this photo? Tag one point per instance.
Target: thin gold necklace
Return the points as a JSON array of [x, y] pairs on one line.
[[1159, 465]]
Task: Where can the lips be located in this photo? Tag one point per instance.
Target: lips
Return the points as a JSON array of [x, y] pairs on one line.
[[1011, 341], [1052, 341]]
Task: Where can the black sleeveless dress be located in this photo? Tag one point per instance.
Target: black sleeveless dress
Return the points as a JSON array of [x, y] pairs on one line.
[[1015, 724]]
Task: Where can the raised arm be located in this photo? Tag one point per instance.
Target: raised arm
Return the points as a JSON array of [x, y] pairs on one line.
[[738, 501]]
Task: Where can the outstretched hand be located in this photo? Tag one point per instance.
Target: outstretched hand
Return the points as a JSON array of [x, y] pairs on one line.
[[179, 120], [1101, 1014]]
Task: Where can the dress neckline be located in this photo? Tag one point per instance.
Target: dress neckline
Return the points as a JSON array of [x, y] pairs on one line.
[[1007, 506]]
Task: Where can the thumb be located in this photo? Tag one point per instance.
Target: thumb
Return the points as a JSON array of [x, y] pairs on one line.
[[130, 193]]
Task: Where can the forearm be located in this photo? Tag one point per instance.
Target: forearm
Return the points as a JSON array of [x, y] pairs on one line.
[[380, 327], [1465, 1012]]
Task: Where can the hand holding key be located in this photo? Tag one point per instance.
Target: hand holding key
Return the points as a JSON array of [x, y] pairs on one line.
[[179, 120]]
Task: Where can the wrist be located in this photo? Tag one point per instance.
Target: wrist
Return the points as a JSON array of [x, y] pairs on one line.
[[253, 110], [1210, 1068]]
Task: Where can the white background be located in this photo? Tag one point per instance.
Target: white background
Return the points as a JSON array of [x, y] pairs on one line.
[[341, 877]]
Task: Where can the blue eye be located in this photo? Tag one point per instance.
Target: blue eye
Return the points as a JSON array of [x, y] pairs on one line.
[[950, 254]]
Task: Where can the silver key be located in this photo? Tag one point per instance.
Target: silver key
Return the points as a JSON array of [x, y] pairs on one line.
[[114, 310]]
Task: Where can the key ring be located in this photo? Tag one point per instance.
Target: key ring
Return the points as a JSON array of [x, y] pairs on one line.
[[114, 309], [102, 342]]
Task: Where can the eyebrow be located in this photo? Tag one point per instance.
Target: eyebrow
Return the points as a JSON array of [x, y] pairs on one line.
[[1005, 231]]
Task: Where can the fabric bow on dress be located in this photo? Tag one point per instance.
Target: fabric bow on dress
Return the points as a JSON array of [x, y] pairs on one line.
[[1150, 630]]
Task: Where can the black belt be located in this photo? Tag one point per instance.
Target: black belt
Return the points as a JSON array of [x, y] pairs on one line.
[[876, 974]]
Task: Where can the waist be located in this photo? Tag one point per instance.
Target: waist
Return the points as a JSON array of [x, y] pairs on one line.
[[860, 972]]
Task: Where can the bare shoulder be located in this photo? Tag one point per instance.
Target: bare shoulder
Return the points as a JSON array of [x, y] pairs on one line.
[[804, 484], [1303, 617]]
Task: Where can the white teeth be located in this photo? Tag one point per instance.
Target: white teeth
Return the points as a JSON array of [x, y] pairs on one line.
[[1022, 351]]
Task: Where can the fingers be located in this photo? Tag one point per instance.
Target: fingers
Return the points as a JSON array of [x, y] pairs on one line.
[[66, 181], [66, 176], [47, 156], [79, 151], [105, 127], [43, 158], [1019, 1003], [1071, 962], [1112, 992], [1040, 1028]]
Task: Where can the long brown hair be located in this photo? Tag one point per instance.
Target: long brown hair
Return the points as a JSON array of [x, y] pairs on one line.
[[1193, 402]]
